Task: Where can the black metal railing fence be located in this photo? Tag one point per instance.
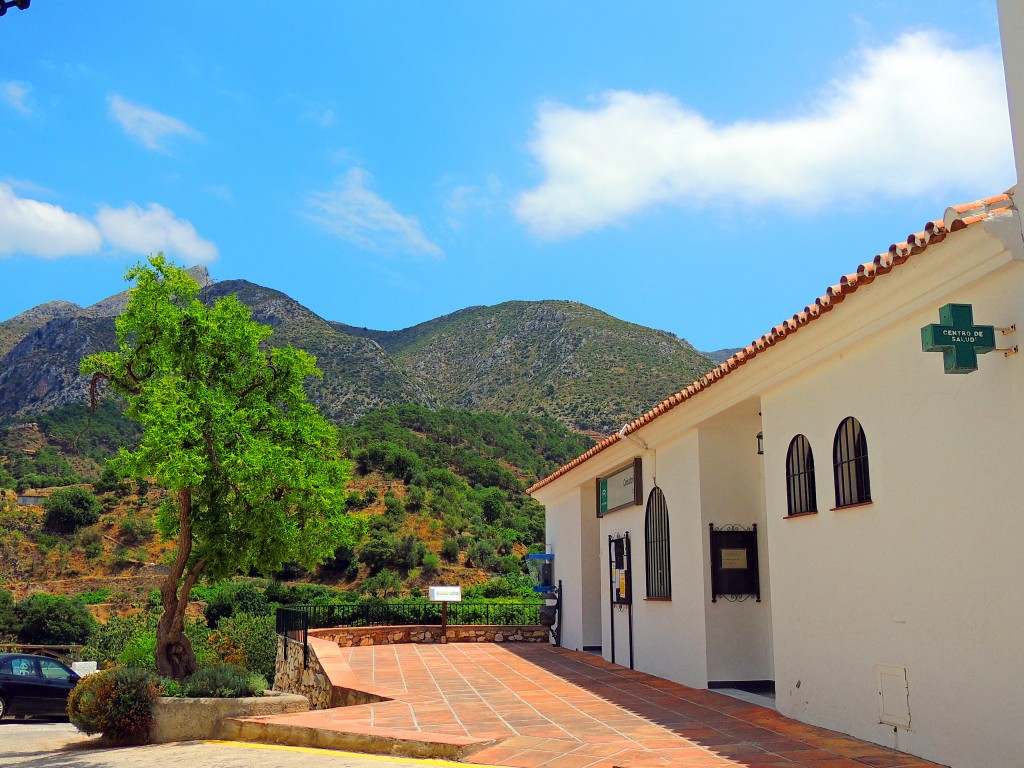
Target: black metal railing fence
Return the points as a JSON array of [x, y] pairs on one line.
[[295, 621]]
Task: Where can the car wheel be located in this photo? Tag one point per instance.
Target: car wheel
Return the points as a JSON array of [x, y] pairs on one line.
[[3, 707]]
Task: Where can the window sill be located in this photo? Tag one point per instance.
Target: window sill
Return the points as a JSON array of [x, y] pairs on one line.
[[801, 514], [852, 506], [657, 599]]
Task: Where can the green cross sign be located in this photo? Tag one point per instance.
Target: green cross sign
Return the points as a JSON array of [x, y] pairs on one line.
[[958, 339]]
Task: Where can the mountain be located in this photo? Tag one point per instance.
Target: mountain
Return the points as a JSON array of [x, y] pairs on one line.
[[359, 375], [586, 368], [17, 328], [563, 359]]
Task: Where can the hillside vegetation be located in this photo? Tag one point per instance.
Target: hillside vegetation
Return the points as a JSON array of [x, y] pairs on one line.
[[441, 493]]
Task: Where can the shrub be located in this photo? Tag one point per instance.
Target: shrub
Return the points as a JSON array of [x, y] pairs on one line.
[[481, 554], [431, 562], [109, 480], [6, 614], [43, 619], [117, 703], [69, 509], [135, 529], [249, 641], [139, 651], [450, 550], [381, 584], [101, 595], [230, 597], [409, 551], [378, 551], [110, 640], [224, 681]]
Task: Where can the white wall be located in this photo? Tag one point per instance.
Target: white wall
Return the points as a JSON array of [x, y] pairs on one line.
[[669, 638], [927, 575], [1011, 23], [739, 643], [564, 538]]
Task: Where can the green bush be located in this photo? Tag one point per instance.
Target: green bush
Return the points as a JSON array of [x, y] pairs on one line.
[[251, 640], [109, 480], [409, 551], [43, 619], [97, 596], [136, 529], [450, 550], [110, 640], [69, 509], [431, 562], [378, 551], [224, 681], [139, 651], [230, 597], [6, 615], [117, 703]]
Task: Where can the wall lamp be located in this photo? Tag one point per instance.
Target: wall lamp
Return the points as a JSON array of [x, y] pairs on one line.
[[21, 5], [760, 443]]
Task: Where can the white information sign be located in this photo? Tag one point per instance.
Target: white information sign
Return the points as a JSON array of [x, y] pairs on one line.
[[445, 594]]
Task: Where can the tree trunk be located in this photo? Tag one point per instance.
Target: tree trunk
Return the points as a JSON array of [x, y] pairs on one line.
[[174, 655]]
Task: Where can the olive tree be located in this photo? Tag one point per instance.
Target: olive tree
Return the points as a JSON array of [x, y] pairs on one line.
[[252, 467]]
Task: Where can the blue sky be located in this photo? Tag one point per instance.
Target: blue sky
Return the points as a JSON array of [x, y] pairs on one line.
[[706, 169]]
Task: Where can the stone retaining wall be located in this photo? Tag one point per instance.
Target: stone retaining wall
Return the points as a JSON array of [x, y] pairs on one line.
[[348, 637], [308, 679], [177, 719]]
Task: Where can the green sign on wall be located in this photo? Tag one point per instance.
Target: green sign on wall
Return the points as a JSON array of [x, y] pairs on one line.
[[622, 488], [958, 339]]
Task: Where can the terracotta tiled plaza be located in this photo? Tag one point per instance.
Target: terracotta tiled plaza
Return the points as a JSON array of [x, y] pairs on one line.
[[531, 705]]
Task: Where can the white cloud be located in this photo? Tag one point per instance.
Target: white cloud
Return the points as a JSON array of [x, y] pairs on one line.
[[154, 228], [42, 229], [915, 116], [320, 115], [150, 127], [467, 199], [355, 213], [15, 95]]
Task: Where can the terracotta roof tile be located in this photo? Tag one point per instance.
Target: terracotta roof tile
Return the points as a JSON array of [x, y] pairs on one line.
[[956, 218]]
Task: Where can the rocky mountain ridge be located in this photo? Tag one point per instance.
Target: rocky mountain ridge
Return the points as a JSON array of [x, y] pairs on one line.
[[591, 371]]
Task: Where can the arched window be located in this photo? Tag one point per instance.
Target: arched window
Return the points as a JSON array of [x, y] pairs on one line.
[[801, 494], [659, 571], [850, 459]]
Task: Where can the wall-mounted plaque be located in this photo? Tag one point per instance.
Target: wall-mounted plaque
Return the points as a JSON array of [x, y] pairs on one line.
[[734, 567], [622, 488]]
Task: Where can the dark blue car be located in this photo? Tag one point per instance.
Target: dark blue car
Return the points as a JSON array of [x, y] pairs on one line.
[[34, 685]]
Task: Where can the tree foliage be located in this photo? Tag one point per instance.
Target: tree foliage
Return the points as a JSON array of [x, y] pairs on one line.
[[68, 509], [252, 466], [42, 619]]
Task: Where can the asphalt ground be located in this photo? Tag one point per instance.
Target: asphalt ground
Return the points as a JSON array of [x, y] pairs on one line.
[[47, 744]]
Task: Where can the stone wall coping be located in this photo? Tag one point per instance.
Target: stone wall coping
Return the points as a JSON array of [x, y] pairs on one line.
[[340, 674], [188, 719]]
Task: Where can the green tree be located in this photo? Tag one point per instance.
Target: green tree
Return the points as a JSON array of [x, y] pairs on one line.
[[6, 615], [252, 466], [69, 509], [42, 619]]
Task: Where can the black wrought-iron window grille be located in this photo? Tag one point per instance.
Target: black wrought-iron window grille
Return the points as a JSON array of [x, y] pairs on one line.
[[801, 492], [659, 562], [850, 458]]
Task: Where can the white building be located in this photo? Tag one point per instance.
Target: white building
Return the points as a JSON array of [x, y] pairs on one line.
[[887, 572]]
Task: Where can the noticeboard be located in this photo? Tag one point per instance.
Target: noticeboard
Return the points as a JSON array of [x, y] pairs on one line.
[[622, 488], [734, 567]]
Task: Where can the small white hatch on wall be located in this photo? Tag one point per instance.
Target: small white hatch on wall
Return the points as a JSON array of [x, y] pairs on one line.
[[893, 696]]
